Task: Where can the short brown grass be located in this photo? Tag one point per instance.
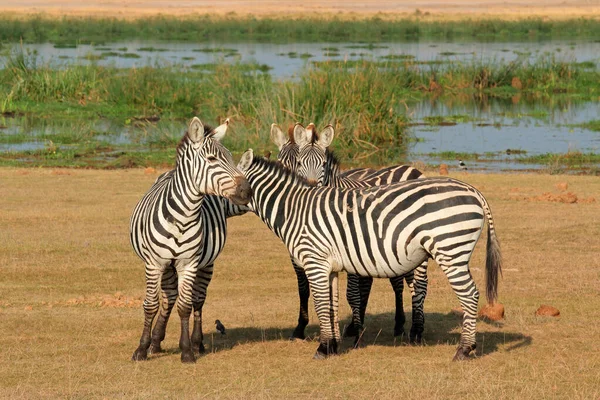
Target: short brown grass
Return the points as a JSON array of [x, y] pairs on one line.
[[71, 286], [350, 9]]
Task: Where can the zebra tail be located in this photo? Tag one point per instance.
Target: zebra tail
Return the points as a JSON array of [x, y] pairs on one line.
[[493, 262]]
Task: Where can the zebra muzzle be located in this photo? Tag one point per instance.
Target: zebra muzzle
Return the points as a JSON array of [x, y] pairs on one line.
[[243, 192]]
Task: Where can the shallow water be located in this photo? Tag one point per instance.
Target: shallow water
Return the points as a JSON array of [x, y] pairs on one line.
[[500, 127], [286, 59]]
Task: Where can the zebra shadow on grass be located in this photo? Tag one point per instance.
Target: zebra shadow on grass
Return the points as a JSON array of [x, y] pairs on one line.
[[440, 329]]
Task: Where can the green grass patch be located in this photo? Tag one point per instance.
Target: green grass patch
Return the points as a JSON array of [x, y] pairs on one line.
[[205, 28], [216, 50], [151, 49], [571, 159], [129, 55], [398, 57], [453, 155], [593, 125], [65, 45], [442, 120], [370, 46]]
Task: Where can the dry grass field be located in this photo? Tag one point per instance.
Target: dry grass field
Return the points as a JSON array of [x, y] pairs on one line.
[[450, 9], [71, 316]]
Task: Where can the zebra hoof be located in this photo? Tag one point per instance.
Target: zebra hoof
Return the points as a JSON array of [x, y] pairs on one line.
[[155, 348], [399, 332], [325, 350], [416, 337], [188, 357], [139, 355], [463, 353], [351, 331], [201, 349], [298, 334]]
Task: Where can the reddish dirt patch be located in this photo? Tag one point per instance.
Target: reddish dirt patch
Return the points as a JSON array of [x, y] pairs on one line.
[[117, 300], [61, 172], [149, 171], [443, 169], [547, 311], [568, 197], [493, 312], [562, 186]]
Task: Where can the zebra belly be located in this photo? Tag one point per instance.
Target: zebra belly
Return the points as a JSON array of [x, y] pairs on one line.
[[381, 267]]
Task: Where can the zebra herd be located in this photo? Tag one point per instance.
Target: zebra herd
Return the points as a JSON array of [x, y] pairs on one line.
[[370, 223]]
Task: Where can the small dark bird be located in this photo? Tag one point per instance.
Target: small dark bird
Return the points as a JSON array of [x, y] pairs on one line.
[[220, 327], [462, 165]]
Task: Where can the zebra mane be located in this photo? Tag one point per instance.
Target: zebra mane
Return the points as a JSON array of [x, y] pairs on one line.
[[332, 158], [277, 168], [185, 140]]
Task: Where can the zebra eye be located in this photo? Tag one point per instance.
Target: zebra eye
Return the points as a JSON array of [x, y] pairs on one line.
[[211, 158]]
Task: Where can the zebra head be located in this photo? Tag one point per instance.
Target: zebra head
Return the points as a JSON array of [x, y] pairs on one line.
[[288, 149], [312, 152], [208, 166]]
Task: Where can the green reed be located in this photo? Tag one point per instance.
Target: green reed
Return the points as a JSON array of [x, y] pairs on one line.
[[204, 28], [366, 101]]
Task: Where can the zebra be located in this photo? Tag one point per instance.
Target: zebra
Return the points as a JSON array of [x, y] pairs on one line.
[[176, 227], [315, 162], [380, 231]]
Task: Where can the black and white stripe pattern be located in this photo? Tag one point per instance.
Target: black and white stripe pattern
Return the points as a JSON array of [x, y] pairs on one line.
[[382, 231], [317, 163], [176, 228]]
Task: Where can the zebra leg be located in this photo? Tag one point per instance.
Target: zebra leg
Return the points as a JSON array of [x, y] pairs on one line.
[[168, 293], [184, 308], [419, 292], [304, 294], [464, 287], [151, 305], [321, 282], [365, 284], [353, 297], [397, 283], [334, 297], [203, 278]]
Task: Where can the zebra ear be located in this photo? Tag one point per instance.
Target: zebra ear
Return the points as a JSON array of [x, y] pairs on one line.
[[278, 137], [196, 130], [300, 134], [246, 160], [326, 136], [219, 132]]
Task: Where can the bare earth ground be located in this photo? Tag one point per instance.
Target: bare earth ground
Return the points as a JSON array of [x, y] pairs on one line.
[[349, 8], [71, 290]]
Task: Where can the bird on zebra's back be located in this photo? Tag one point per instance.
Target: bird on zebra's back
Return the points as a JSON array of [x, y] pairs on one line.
[[178, 231], [382, 232], [318, 164]]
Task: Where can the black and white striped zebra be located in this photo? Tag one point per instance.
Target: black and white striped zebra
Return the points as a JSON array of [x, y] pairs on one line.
[[318, 164], [176, 227], [381, 231]]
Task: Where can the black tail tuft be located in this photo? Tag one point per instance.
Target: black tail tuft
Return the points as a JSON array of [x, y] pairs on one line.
[[493, 266]]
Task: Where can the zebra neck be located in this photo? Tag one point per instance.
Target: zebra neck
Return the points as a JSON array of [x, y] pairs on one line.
[[183, 198], [277, 197]]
